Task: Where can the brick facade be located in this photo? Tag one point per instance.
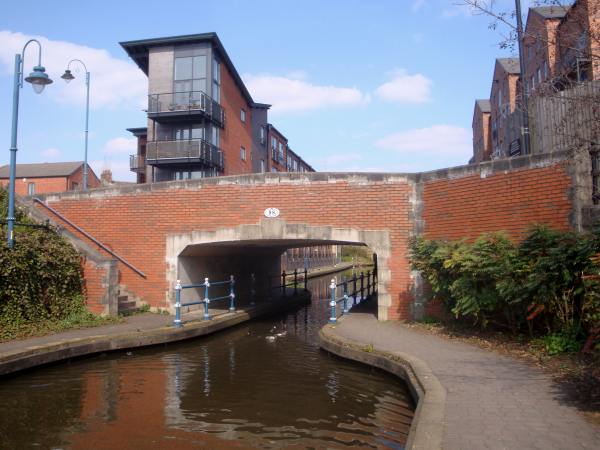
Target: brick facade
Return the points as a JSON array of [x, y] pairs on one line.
[[44, 185], [137, 223], [236, 134]]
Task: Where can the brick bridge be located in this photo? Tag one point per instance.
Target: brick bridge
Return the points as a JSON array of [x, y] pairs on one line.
[[216, 226]]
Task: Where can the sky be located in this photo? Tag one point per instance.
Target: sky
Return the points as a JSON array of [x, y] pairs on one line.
[[369, 86]]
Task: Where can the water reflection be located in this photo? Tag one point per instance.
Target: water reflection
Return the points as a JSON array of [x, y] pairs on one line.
[[259, 385]]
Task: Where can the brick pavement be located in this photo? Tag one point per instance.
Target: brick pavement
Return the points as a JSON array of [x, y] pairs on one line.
[[493, 401]]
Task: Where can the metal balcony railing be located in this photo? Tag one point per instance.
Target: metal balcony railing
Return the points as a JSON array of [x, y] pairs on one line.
[[137, 163], [192, 149], [189, 102]]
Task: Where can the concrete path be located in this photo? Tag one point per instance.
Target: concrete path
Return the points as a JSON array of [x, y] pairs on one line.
[[493, 401]]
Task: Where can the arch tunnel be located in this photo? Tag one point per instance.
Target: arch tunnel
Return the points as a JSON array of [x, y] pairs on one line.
[[261, 258]]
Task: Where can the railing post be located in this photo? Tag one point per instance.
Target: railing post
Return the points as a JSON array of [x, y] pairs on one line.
[[177, 321], [295, 281], [206, 299], [283, 284], [362, 289], [305, 279], [332, 303], [252, 289], [345, 297], [368, 283], [231, 294], [354, 289]]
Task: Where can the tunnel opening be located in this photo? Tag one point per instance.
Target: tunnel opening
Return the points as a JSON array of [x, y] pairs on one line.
[[258, 265], [261, 249]]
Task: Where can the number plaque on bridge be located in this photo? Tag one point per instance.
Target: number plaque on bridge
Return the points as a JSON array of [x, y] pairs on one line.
[[271, 212]]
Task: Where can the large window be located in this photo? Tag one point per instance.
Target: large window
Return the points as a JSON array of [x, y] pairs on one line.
[[216, 84], [189, 78], [193, 131]]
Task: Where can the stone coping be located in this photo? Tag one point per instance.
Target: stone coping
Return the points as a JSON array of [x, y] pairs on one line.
[[30, 356], [427, 428]]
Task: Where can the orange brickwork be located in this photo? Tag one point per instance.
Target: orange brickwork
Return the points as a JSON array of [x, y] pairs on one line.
[[453, 204]]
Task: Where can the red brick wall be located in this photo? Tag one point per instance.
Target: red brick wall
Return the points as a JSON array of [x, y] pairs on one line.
[[236, 133], [469, 206], [136, 225], [77, 177], [42, 185]]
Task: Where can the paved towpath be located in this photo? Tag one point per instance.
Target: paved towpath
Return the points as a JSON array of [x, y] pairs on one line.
[[493, 401]]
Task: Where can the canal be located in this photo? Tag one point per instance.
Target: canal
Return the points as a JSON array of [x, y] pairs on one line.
[[264, 384]]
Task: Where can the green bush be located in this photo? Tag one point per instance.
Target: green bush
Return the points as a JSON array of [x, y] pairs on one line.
[[40, 278], [548, 284]]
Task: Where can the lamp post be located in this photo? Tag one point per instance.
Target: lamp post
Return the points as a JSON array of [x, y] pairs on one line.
[[68, 76], [38, 79]]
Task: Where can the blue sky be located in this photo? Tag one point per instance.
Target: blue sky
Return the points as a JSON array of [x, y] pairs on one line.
[[355, 85]]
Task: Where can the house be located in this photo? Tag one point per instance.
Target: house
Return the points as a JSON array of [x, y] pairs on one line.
[[482, 145], [202, 121], [48, 177]]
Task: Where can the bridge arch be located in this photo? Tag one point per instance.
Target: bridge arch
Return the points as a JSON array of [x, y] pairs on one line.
[[267, 240]]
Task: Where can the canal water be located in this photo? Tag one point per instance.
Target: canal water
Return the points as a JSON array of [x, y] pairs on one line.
[[264, 384]]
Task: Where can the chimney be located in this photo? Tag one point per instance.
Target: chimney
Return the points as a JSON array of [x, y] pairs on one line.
[[106, 177]]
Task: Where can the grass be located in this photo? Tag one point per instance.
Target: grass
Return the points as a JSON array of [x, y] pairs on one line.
[[76, 320]]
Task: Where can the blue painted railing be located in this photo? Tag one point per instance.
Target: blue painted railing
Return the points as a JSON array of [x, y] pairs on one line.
[[368, 285], [285, 284], [206, 300]]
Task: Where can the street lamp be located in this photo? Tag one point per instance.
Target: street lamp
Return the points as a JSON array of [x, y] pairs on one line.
[[68, 76], [38, 79]]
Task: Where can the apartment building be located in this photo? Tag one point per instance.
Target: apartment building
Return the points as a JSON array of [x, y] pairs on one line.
[[503, 102], [482, 143], [558, 45], [202, 121]]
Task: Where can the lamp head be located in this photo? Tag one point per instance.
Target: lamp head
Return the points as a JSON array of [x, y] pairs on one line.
[[38, 79], [68, 76]]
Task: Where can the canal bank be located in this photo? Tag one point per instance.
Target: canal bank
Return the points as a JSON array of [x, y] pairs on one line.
[[473, 398], [137, 331]]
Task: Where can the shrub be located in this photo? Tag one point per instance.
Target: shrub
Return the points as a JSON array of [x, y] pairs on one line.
[[549, 283], [41, 277]]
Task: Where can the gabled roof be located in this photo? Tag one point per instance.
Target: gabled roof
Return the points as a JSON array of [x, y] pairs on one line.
[[484, 105], [510, 65], [551, 12], [138, 51], [43, 170]]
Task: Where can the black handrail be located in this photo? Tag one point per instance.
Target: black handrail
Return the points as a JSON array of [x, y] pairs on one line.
[[90, 237]]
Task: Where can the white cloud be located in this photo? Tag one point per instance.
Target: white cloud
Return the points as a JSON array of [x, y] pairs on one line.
[[119, 168], [51, 153], [437, 141], [120, 146], [113, 82], [405, 88], [418, 5], [289, 94]]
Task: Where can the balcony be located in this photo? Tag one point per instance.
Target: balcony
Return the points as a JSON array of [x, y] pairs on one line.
[[173, 106], [137, 163], [184, 151]]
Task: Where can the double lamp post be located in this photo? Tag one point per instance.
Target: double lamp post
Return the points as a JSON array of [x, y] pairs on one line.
[[39, 79]]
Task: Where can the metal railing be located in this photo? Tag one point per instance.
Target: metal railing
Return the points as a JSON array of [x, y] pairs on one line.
[[369, 287], [90, 237], [137, 163], [206, 300], [198, 149], [187, 102], [285, 284]]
